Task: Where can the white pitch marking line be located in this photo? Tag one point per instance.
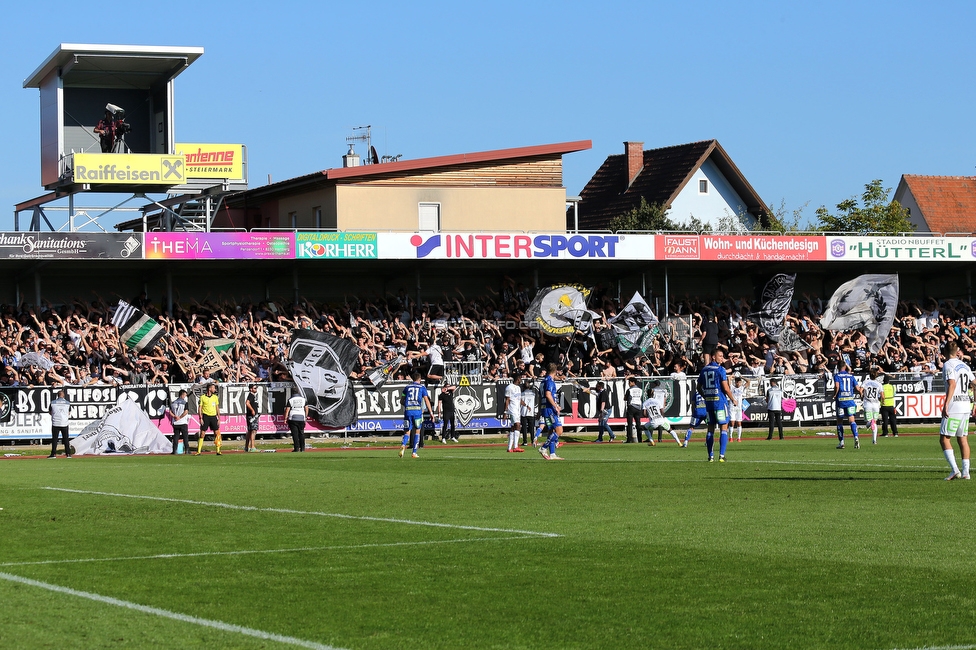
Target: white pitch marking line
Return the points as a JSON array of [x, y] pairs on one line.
[[155, 611], [946, 647], [935, 464], [303, 549], [231, 506]]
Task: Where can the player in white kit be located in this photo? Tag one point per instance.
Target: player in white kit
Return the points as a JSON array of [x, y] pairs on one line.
[[655, 418], [956, 410], [513, 413], [735, 410], [872, 393]]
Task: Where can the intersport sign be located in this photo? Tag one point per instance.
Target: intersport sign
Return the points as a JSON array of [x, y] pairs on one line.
[[484, 246]]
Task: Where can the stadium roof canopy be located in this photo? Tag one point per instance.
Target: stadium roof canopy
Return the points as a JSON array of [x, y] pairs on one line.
[[114, 66]]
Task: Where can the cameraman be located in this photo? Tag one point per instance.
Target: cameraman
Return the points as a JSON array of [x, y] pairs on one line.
[[106, 132]]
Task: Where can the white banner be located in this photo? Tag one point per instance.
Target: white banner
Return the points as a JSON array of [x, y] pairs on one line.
[[125, 429]]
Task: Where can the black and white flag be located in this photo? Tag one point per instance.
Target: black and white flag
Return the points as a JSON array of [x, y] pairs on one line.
[[634, 327], [320, 366], [136, 330], [380, 374], [866, 303], [560, 310], [776, 298], [790, 341], [35, 359]]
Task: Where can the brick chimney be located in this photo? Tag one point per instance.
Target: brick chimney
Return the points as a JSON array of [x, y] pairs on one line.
[[635, 160]]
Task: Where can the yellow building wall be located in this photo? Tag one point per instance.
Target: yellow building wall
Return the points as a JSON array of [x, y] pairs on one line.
[[303, 205], [372, 207]]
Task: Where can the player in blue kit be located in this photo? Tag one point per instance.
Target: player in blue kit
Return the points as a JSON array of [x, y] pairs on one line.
[[700, 415], [713, 385], [550, 414], [415, 398], [845, 387]]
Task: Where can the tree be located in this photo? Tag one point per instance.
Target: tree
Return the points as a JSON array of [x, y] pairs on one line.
[[785, 221], [646, 216], [877, 214]]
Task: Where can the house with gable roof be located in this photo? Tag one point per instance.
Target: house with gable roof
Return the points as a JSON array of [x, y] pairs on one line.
[[939, 204], [697, 179], [506, 189]]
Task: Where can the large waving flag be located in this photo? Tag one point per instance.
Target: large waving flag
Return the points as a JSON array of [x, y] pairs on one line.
[[866, 303], [560, 310], [776, 298], [320, 366], [635, 327], [136, 330]]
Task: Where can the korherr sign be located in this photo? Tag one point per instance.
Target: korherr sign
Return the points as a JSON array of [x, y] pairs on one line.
[[335, 245]]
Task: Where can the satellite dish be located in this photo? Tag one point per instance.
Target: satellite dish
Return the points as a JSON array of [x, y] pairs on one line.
[[373, 158]]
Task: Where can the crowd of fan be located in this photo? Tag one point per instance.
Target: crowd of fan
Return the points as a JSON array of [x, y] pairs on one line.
[[487, 330]]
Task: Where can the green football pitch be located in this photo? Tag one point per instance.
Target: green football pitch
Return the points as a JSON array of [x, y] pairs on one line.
[[790, 544]]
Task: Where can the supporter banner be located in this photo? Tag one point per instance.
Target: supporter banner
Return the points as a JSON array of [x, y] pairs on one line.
[[335, 245], [741, 248], [470, 246], [212, 160], [902, 249], [69, 245], [476, 406], [380, 410], [220, 245], [128, 169]]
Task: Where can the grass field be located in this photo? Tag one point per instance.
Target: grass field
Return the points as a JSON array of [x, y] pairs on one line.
[[790, 544]]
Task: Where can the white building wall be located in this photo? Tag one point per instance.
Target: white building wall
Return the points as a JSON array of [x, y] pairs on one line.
[[720, 200], [907, 200]]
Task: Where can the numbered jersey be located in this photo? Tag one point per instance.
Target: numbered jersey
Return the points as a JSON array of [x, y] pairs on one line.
[[710, 382], [959, 403], [873, 392], [413, 398], [845, 384], [653, 409], [549, 390]]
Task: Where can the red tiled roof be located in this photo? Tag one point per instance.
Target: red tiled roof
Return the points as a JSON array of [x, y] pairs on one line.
[[947, 203], [665, 173], [497, 155]]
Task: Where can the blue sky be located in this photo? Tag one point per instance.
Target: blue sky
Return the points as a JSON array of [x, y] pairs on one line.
[[811, 100]]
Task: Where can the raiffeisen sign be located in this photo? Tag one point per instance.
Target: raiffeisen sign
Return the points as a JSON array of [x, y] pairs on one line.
[[127, 169]]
